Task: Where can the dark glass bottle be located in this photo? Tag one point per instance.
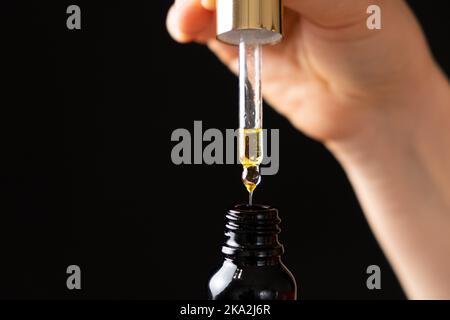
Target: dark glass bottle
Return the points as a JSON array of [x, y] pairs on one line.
[[252, 268]]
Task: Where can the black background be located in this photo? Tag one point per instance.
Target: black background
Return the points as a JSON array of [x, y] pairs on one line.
[[86, 175]]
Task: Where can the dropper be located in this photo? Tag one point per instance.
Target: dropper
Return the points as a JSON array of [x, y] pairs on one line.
[[250, 24], [250, 115]]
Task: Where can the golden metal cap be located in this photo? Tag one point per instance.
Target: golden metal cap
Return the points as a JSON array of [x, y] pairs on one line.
[[253, 21]]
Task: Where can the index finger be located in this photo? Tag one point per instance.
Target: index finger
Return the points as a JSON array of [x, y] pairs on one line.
[[188, 20]]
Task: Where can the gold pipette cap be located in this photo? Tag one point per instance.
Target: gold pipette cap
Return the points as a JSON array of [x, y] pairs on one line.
[[252, 21]]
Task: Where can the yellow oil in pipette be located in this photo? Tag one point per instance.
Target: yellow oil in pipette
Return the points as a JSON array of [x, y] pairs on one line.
[[250, 156]]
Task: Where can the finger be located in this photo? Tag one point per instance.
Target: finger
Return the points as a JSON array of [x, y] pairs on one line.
[[188, 20], [207, 33]]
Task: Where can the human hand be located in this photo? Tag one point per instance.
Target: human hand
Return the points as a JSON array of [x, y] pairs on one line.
[[378, 101]]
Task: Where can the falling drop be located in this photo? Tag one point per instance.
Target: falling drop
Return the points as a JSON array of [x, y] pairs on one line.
[[251, 178]]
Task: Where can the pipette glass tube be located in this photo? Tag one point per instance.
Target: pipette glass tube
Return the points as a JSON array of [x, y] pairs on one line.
[[250, 114]]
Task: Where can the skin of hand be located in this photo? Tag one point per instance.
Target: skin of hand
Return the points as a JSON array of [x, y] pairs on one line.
[[378, 101]]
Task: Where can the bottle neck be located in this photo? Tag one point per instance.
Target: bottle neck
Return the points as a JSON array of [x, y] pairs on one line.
[[254, 262], [251, 236]]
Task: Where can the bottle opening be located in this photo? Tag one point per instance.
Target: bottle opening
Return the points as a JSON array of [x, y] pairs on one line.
[[251, 231]]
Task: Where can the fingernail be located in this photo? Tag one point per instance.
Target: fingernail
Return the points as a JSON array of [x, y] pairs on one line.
[[209, 4]]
